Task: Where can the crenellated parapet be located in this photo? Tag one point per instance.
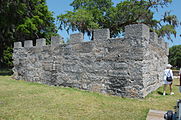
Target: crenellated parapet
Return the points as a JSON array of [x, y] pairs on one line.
[[129, 67], [139, 32]]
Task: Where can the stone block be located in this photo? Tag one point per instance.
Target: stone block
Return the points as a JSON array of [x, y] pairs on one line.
[[28, 43], [56, 40], [76, 38], [161, 42], [137, 30], [167, 48], [16, 62], [117, 73], [153, 38], [84, 47], [96, 87], [118, 65], [40, 42], [47, 66], [101, 34], [17, 44]]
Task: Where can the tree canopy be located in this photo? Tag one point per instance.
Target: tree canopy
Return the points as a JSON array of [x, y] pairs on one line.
[[175, 56], [91, 14], [22, 20]]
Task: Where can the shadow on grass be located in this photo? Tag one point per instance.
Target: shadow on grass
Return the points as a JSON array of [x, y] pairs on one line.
[[5, 72], [160, 93]]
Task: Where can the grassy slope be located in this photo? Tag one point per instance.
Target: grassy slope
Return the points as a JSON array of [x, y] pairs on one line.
[[21, 100]]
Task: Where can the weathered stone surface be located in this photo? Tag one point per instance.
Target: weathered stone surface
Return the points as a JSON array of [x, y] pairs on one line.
[[76, 38], [153, 37], [166, 48], [40, 42], [28, 43], [56, 40], [17, 44], [137, 30], [128, 67], [155, 115], [101, 34]]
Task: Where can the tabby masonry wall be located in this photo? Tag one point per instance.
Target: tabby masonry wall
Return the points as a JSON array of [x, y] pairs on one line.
[[129, 67]]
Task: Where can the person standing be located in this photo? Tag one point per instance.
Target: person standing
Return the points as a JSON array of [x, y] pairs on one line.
[[168, 74]]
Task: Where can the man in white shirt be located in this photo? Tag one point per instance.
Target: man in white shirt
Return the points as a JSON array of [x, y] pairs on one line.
[[168, 73]]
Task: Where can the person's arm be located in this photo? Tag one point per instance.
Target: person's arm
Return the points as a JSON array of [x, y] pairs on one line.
[[171, 73]]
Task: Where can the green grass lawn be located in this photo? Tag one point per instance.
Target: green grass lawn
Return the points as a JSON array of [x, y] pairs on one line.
[[21, 100]]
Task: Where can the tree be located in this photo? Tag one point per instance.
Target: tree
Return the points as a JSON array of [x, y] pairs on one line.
[[175, 56], [21, 20], [91, 14], [87, 15]]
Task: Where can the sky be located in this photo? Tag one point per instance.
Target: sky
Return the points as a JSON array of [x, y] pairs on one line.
[[61, 6]]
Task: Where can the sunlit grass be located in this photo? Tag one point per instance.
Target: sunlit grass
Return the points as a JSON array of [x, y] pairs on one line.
[[21, 100]]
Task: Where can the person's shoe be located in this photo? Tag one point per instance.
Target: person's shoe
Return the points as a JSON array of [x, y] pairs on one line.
[[172, 93], [163, 93]]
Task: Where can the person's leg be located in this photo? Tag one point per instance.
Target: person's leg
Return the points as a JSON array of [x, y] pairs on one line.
[[170, 87], [164, 89], [171, 93]]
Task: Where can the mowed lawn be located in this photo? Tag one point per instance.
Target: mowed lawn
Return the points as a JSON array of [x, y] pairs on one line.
[[21, 100]]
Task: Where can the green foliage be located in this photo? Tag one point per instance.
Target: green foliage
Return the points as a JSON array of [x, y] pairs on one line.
[[166, 30], [87, 15], [91, 14], [101, 5], [22, 20], [81, 18], [175, 56], [7, 56]]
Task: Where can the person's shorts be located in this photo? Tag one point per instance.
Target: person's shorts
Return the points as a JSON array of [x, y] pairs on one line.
[[166, 82]]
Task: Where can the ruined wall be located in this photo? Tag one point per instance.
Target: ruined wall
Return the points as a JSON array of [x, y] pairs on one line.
[[129, 67]]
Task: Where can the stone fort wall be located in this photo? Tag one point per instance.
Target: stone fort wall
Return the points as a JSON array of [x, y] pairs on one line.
[[129, 67]]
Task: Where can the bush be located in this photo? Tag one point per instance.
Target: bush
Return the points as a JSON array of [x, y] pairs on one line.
[[175, 56], [7, 57]]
